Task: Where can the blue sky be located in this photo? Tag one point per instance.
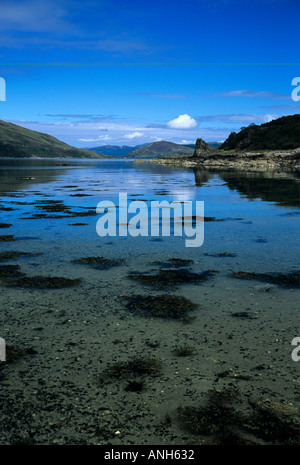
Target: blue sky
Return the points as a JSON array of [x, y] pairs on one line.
[[129, 72]]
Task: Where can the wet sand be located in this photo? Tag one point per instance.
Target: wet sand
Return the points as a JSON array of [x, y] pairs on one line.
[[59, 393]]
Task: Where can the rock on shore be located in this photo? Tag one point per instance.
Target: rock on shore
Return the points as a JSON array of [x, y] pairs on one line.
[[206, 156]]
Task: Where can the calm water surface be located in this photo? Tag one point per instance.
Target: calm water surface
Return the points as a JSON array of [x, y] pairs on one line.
[[260, 210]]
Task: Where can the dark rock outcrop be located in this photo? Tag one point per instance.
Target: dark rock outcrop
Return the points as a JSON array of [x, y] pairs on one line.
[[202, 149]]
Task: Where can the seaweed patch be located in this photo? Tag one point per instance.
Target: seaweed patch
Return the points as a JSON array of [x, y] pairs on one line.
[[78, 224], [176, 262], [43, 282], [170, 278], [99, 262], [164, 306], [184, 351], [220, 254], [13, 353], [285, 280], [226, 425], [4, 256], [7, 238], [135, 366], [10, 271]]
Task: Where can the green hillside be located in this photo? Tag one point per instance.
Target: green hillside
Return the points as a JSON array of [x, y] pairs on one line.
[[19, 142], [160, 149], [280, 134]]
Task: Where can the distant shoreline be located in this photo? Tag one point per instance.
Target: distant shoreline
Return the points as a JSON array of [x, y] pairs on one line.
[[59, 158], [252, 160]]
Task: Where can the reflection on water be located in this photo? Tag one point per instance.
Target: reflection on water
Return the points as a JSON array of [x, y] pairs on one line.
[[282, 188], [202, 176], [40, 172], [271, 187]]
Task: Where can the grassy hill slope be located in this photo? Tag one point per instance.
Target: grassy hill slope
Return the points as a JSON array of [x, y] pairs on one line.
[[19, 142], [279, 134]]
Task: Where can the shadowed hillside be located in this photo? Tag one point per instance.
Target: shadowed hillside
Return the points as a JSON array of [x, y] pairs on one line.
[[279, 134], [19, 142]]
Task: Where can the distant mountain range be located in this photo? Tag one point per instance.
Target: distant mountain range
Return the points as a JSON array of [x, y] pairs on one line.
[[279, 134], [115, 150], [19, 142], [159, 149], [152, 150]]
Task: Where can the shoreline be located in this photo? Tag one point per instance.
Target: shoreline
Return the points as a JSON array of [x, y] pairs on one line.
[[250, 160]]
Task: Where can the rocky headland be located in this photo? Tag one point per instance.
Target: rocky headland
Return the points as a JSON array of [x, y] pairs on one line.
[[205, 156]]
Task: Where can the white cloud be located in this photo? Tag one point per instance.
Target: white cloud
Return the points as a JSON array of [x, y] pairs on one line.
[[253, 93], [133, 135], [104, 137], [182, 122], [184, 141], [238, 118]]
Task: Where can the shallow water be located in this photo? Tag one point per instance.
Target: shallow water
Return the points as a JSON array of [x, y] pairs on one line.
[[259, 225]]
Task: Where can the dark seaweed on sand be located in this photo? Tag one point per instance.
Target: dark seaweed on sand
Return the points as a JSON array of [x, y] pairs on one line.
[[50, 208], [10, 271], [86, 213], [78, 224], [53, 206], [7, 238], [135, 366], [135, 386], [285, 280], [176, 262], [6, 209], [99, 262], [42, 282], [163, 306], [222, 421], [4, 256], [215, 418], [13, 353], [184, 351], [168, 278], [221, 254]]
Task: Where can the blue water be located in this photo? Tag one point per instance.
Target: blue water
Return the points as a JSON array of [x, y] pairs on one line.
[[260, 224]]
